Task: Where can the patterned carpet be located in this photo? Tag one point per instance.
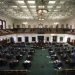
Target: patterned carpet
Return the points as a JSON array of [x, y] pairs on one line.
[[41, 64]]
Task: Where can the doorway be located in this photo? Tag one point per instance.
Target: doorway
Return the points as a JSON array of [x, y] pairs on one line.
[[68, 40], [40, 38], [11, 40], [26, 39], [54, 38]]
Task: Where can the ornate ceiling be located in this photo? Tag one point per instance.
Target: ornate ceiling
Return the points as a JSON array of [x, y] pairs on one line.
[[28, 9]]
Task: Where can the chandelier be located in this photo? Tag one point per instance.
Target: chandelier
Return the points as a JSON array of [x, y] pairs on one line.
[[42, 10], [42, 13]]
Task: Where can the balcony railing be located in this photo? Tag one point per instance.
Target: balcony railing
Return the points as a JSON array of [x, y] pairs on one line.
[[42, 30], [38, 31]]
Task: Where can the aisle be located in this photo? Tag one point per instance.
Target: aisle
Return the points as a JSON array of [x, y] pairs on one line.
[[41, 65]]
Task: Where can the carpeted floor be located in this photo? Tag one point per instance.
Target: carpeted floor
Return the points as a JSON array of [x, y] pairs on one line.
[[41, 64]]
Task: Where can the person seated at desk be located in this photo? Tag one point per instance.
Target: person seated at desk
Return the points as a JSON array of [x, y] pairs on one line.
[[73, 54], [51, 52], [58, 64], [30, 53], [50, 49], [9, 56], [3, 62], [53, 55], [60, 53], [32, 50], [13, 63], [18, 57], [68, 62], [27, 64], [64, 57], [54, 58], [29, 57]]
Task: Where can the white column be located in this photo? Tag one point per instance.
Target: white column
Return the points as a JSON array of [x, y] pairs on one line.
[[30, 38], [36, 39], [58, 38], [15, 39], [51, 39], [23, 39], [44, 39]]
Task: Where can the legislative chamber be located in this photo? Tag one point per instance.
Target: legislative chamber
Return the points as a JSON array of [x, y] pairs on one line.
[[37, 37]]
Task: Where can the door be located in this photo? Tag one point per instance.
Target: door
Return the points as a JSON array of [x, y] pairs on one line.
[[26, 39], [40, 38], [54, 38], [11, 40], [68, 40]]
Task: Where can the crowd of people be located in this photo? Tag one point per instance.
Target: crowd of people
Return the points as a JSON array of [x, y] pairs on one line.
[[19, 56], [16, 57], [63, 56]]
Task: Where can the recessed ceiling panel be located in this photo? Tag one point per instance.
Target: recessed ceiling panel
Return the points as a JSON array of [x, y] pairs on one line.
[[28, 9]]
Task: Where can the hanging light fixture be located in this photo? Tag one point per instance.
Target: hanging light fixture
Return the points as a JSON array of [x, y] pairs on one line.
[[42, 10]]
